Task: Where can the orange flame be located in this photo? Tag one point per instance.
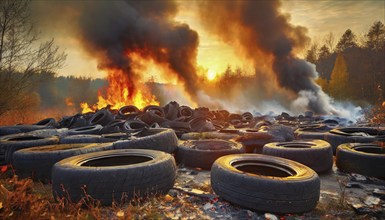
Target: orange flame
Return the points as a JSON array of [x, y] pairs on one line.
[[117, 94]]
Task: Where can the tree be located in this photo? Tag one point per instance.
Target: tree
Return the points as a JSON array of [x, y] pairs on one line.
[[347, 40], [311, 54], [338, 84], [375, 38], [22, 58], [329, 41], [323, 53]]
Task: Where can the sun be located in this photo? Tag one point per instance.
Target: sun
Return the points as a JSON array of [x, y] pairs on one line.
[[211, 75]]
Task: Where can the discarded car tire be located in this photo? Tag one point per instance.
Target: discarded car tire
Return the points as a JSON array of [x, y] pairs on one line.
[[152, 139], [89, 129], [203, 153], [367, 159], [114, 175], [48, 122], [101, 117], [209, 135], [316, 154], [265, 183], [12, 143], [336, 137], [37, 162]]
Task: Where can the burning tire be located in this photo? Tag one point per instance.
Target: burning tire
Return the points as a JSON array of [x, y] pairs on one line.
[[153, 139], [37, 162], [265, 183], [316, 154], [203, 153], [366, 159], [114, 175], [12, 143]]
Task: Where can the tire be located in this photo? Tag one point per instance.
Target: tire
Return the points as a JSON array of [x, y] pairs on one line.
[[203, 153], [89, 129], [360, 132], [153, 139], [48, 122], [316, 154], [49, 132], [37, 162], [8, 130], [134, 126], [128, 112], [109, 176], [171, 110], [265, 183], [334, 137], [85, 138], [102, 117], [12, 143], [208, 135], [366, 159]]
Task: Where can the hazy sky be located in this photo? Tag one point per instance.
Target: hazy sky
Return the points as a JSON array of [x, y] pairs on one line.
[[319, 17]]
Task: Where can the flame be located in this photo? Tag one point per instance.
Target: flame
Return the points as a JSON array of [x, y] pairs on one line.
[[117, 95]]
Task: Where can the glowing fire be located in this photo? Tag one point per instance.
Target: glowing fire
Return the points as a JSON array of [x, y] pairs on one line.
[[117, 94]]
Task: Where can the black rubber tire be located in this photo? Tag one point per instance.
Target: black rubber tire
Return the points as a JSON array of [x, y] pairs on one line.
[[89, 129], [316, 154], [49, 132], [102, 117], [134, 126], [128, 112], [334, 138], [160, 139], [11, 143], [208, 135], [171, 110], [146, 172], [48, 122], [37, 162], [8, 130], [85, 138], [203, 153], [366, 159], [246, 180]]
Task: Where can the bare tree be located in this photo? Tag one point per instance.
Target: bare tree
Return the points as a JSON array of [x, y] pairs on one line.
[[22, 57], [329, 41]]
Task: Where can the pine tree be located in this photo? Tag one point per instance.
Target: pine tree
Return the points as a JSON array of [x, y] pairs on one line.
[[347, 40], [376, 36]]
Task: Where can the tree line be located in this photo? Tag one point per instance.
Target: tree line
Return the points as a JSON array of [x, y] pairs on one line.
[[353, 69]]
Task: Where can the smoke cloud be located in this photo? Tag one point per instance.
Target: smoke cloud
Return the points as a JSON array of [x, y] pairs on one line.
[[265, 35], [111, 30]]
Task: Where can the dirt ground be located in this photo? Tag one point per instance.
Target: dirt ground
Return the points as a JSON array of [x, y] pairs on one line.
[[343, 196]]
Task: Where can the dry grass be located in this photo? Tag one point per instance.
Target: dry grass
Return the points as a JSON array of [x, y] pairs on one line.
[[25, 199], [376, 116]]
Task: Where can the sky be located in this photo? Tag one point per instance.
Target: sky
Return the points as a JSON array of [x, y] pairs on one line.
[[319, 17]]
